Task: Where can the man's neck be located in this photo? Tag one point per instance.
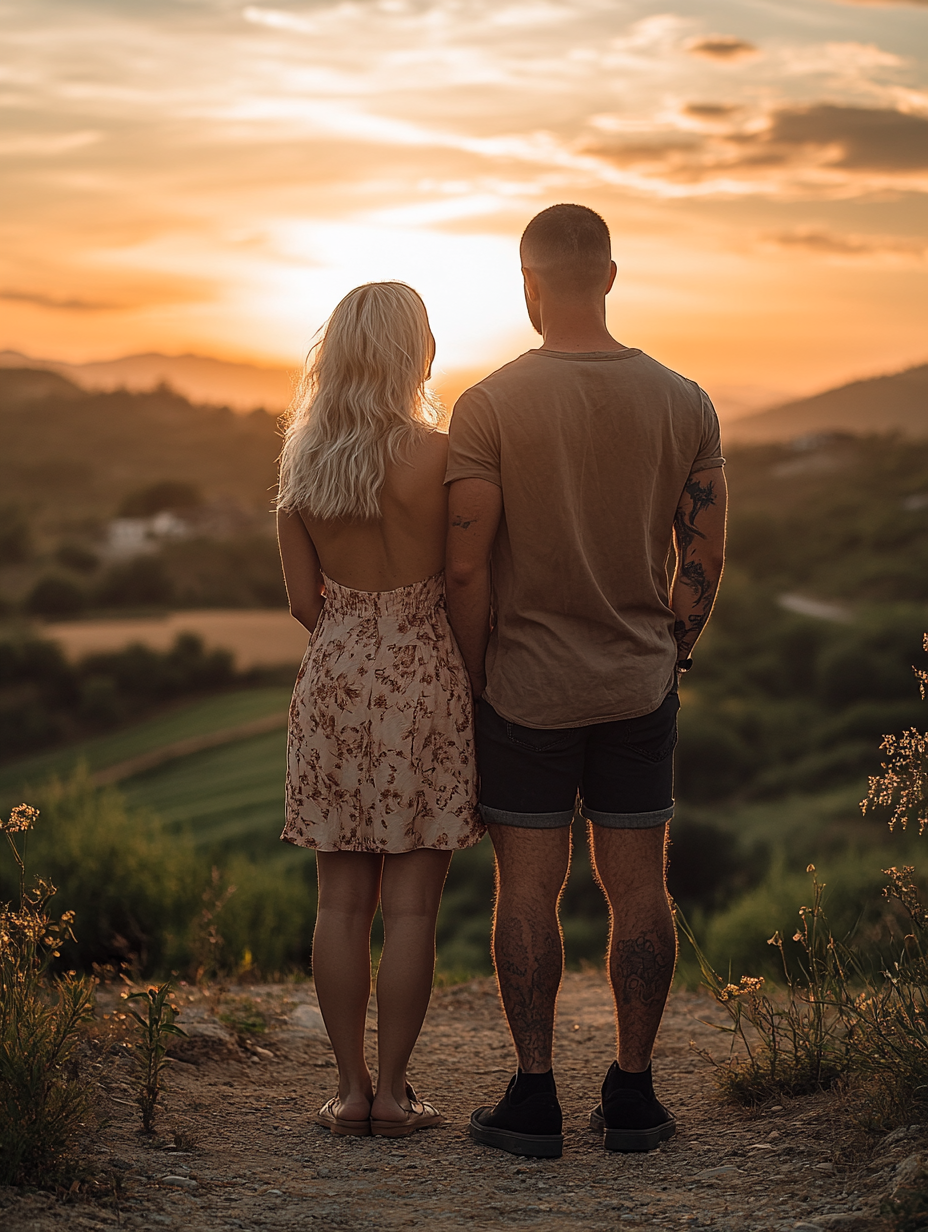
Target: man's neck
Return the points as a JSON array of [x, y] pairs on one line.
[[573, 332]]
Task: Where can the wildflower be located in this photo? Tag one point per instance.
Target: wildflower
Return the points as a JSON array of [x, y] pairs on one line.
[[21, 818]]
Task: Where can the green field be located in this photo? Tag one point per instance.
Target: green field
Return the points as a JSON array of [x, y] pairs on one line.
[[229, 797], [179, 723]]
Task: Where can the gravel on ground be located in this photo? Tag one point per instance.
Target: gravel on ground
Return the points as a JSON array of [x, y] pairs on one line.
[[236, 1147]]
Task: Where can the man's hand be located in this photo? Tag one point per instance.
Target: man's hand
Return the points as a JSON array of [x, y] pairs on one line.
[[699, 537], [477, 685], [475, 507]]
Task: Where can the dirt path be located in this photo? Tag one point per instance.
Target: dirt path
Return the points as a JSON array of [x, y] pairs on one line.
[[256, 1161]]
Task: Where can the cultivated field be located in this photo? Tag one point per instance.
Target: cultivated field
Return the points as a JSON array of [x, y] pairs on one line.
[[228, 797], [262, 638], [214, 714]]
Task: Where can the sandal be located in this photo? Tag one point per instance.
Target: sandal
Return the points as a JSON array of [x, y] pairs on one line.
[[420, 1116], [329, 1118]]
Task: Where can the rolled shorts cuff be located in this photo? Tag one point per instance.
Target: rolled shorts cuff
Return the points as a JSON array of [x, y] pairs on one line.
[[629, 821], [527, 821]]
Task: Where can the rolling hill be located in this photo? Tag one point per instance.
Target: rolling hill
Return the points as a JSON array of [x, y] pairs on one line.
[[68, 455], [894, 403], [201, 378], [197, 377]]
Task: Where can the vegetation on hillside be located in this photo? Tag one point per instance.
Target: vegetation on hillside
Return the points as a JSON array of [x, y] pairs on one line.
[[45, 700]]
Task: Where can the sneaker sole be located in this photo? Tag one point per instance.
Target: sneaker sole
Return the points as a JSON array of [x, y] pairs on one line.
[[630, 1140], [541, 1146]]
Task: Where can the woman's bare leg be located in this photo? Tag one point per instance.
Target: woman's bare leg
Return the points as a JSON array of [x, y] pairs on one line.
[[410, 895], [349, 886]]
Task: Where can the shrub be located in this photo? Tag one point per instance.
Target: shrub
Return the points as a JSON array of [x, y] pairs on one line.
[[75, 556], [794, 1044], [139, 890], [140, 672], [157, 497], [55, 595], [15, 536], [44, 699], [43, 1100], [133, 887], [142, 582]]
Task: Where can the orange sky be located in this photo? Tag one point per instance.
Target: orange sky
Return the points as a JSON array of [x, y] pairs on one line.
[[208, 176]]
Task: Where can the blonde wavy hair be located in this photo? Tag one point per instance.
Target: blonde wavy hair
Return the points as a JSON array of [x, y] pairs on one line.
[[361, 402]]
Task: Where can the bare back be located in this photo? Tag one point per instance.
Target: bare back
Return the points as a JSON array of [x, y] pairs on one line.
[[407, 543]]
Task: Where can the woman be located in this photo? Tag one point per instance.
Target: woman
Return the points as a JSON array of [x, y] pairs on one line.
[[381, 779]]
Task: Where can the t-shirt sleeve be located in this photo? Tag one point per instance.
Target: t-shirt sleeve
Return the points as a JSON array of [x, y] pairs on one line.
[[473, 440], [710, 446]]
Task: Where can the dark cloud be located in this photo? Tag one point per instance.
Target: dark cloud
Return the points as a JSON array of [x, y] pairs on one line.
[[833, 244], [37, 299], [872, 139], [722, 47], [819, 138], [711, 111]]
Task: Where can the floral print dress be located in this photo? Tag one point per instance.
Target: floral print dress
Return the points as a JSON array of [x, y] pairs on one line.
[[381, 750]]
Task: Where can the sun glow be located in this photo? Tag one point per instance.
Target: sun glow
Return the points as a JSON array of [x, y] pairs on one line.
[[213, 178]]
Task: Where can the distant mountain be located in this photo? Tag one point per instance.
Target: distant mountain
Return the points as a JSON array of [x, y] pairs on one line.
[[896, 403], [202, 379], [199, 378]]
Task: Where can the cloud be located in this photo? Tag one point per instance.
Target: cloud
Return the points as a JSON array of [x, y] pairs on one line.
[[47, 145], [38, 300], [864, 138], [711, 111], [833, 244], [820, 148], [278, 20], [885, 3], [724, 47]]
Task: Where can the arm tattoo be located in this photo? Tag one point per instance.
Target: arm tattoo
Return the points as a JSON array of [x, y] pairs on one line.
[[463, 523], [691, 573]]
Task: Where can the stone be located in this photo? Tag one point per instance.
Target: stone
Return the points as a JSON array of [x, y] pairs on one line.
[[906, 1170], [709, 1174], [308, 1021], [900, 1135], [180, 1182], [853, 1221]]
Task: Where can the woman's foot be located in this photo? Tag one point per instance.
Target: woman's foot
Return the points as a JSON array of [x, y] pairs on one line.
[[348, 1117], [392, 1119]]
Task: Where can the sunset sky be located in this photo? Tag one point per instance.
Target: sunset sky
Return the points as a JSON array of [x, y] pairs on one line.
[[209, 176]]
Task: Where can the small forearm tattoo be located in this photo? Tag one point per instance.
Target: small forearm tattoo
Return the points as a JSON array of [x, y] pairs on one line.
[[463, 523]]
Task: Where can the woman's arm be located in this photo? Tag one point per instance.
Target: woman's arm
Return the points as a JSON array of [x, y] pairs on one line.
[[302, 572]]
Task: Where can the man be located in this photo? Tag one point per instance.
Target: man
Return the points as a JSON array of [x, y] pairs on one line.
[[573, 471]]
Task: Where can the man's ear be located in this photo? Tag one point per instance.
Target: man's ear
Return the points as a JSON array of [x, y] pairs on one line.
[[530, 279], [613, 270]]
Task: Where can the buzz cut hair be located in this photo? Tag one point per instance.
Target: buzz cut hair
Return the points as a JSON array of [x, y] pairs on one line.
[[568, 246]]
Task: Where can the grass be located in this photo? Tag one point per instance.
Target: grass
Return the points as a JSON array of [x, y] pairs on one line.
[[44, 1101], [178, 723], [229, 797]]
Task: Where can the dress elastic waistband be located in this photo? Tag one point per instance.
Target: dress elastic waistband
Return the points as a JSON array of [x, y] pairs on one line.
[[408, 600]]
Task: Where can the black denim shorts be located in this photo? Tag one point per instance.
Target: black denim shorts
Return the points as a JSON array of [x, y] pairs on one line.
[[622, 772]]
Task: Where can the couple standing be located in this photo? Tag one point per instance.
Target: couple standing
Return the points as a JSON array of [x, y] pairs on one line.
[[539, 532]]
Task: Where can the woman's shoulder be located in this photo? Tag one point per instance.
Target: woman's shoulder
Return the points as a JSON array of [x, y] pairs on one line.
[[430, 448]]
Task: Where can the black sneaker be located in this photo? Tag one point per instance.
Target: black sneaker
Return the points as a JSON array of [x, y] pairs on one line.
[[630, 1117], [526, 1121]]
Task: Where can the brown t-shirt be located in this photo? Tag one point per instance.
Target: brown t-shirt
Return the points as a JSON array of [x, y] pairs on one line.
[[592, 452]]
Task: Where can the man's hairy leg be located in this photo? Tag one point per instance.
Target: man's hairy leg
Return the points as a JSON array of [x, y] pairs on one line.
[[528, 949], [630, 865]]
